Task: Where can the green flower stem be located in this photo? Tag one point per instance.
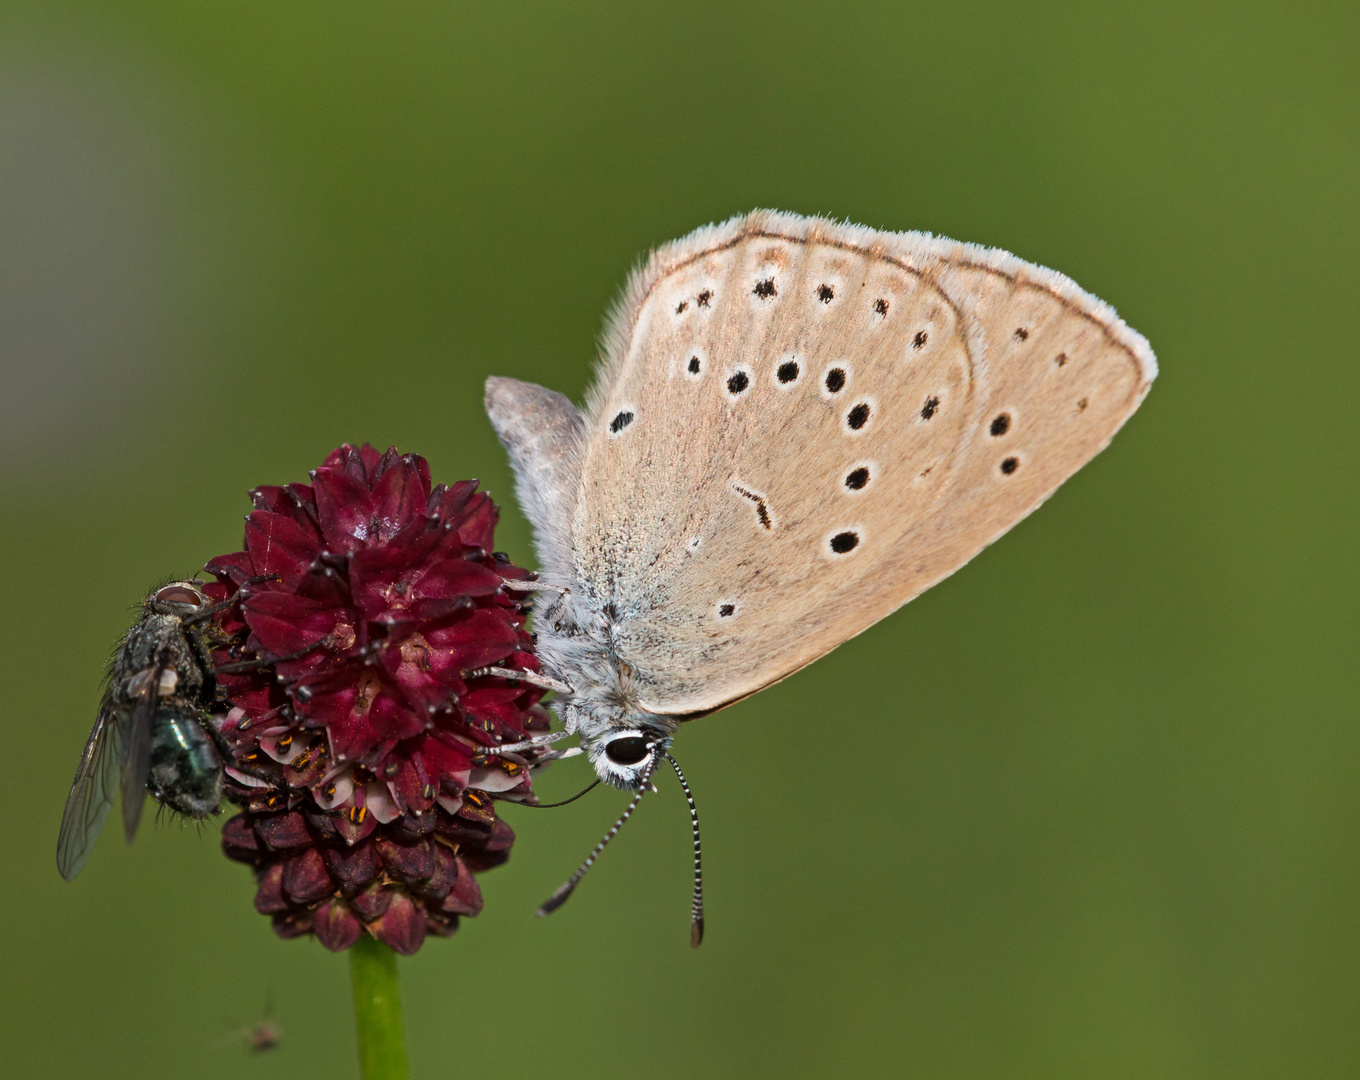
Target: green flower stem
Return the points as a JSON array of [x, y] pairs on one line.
[[377, 1011]]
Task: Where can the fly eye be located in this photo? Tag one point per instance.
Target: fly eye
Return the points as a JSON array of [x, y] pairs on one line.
[[627, 751], [178, 594]]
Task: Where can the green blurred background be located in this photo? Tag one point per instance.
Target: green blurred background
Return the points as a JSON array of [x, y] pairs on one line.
[[1087, 809]]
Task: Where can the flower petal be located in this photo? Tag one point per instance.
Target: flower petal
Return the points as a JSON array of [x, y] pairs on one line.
[[236, 567], [279, 545], [410, 863], [455, 577], [285, 623], [239, 840], [269, 896], [336, 925], [465, 898], [354, 867], [285, 832], [373, 901], [477, 527], [401, 927], [480, 639], [398, 497], [344, 506], [305, 879]]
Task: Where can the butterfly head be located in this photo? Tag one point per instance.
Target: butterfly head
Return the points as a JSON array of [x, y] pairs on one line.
[[625, 757], [623, 740]]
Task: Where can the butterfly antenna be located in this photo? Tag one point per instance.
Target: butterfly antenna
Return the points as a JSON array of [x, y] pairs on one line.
[[696, 911], [557, 899]]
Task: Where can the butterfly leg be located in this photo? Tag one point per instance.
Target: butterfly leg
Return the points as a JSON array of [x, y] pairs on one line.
[[550, 612], [538, 743], [533, 678], [529, 585]]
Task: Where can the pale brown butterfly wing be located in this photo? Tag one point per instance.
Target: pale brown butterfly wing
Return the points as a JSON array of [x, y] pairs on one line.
[[802, 425]]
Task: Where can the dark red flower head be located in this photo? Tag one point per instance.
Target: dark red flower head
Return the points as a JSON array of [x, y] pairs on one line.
[[359, 719]]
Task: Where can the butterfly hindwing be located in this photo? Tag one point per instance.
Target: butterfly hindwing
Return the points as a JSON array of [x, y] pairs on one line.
[[542, 432]]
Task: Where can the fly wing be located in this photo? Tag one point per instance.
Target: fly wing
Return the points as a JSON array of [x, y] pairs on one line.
[[91, 797], [136, 763]]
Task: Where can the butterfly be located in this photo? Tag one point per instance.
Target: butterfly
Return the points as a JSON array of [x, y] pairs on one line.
[[797, 427]]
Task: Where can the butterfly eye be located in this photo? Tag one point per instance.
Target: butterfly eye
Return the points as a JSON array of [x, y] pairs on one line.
[[627, 751]]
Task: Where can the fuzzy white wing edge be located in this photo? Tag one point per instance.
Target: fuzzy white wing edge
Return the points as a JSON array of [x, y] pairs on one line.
[[918, 250]]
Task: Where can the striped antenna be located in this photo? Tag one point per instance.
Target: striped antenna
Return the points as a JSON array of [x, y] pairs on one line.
[[696, 910], [557, 899]]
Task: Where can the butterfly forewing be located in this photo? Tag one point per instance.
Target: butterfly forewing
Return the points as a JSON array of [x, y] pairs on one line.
[[802, 426], [92, 791]]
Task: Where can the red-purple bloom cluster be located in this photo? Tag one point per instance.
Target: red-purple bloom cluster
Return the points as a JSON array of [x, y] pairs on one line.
[[360, 719]]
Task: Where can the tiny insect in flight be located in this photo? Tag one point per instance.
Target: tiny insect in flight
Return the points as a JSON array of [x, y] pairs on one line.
[[259, 1037], [154, 730], [265, 1035]]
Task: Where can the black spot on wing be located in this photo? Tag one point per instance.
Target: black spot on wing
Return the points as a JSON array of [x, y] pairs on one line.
[[844, 542], [762, 510]]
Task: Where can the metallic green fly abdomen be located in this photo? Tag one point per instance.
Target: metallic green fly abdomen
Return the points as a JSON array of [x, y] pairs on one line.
[[185, 766]]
